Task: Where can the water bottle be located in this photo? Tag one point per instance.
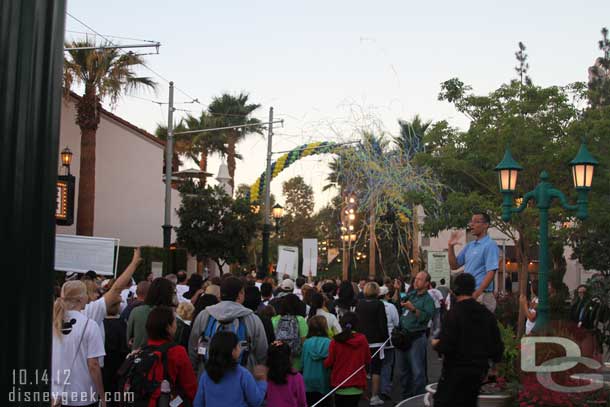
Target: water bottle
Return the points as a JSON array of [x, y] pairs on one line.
[[165, 396]]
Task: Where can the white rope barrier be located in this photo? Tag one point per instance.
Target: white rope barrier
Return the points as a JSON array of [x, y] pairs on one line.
[[373, 345]]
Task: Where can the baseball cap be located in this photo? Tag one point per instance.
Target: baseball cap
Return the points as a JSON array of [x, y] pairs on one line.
[[287, 285], [383, 290]]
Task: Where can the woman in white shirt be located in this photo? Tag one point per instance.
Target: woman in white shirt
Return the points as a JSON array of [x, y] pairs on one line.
[[318, 307], [529, 310], [77, 347]]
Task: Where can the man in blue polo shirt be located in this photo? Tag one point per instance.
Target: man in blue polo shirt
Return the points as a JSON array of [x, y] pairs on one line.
[[479, 257]]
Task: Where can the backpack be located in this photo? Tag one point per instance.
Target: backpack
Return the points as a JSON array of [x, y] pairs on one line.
[[136, 375], [287, 331], [236, 325]]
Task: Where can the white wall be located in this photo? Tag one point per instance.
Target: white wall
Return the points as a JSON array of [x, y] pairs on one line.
[[129, 192]]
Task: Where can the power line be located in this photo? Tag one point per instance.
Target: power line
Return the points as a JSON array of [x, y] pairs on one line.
[[195, 100], [110, 36]]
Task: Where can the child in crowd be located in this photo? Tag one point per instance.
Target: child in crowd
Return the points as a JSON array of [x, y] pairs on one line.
[[224, 382], [348, 352], [285, 387], [315, 350]]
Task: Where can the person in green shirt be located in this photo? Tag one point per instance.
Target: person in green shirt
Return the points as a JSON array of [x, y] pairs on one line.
[[161, 292], [418, 308], [289, 307]]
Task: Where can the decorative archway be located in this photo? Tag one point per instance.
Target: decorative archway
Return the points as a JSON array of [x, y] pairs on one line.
[[257, 189]]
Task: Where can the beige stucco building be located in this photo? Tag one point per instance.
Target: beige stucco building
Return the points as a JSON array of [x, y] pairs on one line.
[[129, 187]]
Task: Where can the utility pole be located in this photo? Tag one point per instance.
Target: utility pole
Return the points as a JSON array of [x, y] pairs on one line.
[[267, 224], [169, 159]]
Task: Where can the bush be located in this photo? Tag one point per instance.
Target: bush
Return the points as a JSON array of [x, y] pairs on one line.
[[177, 260], [507, 309]]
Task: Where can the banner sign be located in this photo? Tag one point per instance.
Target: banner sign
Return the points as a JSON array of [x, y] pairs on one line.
[[288, 261], [310, 257], [333, 252], [64, 210], [83, 253]]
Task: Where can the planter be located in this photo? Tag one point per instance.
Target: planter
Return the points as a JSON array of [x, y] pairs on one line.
[[485, 400]]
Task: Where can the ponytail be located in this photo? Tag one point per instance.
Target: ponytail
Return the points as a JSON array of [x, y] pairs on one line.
[[349, 323], [72, 293], [59, 310]]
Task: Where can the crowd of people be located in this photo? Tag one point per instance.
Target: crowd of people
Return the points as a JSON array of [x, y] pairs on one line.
[[284, 342]]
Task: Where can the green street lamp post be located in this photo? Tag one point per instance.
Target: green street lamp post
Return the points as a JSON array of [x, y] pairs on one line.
[[543, 194]]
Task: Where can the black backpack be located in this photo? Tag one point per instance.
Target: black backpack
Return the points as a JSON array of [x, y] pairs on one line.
[[134, 384]]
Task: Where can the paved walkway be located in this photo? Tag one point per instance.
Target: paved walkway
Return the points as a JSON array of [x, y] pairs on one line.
[[434, 372]]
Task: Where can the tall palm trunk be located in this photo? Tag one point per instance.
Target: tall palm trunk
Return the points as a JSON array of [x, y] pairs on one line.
[[231, 142], [88, 120]]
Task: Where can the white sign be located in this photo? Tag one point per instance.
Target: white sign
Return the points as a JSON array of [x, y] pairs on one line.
[[438, 266], [83, 253], [310, 257], [288, 261], [156, 268]]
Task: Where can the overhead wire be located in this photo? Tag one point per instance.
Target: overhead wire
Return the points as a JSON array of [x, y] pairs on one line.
[[111, 36], [193, 99]]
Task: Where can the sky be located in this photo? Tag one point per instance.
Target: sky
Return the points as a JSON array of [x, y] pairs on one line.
[[332, 68]]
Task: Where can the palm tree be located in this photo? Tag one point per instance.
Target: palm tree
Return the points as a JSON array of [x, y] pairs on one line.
[[204, 144], [103, 73], [233, 110], [410, 142], [196, 146], [411, 136]]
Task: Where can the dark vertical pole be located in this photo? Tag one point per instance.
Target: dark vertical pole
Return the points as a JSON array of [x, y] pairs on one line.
[[31, 58], [267, 220]]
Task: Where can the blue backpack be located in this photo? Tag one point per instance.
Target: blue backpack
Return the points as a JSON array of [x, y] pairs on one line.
[[237, 326]]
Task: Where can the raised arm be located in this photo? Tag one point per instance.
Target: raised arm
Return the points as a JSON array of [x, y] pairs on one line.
[[454, 239], [113, 296]]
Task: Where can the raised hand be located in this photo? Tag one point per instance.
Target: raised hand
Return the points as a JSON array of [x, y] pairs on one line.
[[137, 256], [455, 238]]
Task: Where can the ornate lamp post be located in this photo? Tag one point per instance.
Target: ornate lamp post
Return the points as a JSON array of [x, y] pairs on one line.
[[277, 213], [66, 159], [583, 166], [348, 235]]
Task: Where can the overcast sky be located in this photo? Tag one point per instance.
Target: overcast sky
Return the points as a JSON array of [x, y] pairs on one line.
[[330, 67]]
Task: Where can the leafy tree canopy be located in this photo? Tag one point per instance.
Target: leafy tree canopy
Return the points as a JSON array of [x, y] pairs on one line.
[[214, 225]]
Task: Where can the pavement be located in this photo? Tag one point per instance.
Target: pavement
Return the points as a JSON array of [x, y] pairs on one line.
[[434, 372]]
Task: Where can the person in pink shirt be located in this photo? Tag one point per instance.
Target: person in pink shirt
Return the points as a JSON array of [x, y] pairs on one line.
[[285, 386]]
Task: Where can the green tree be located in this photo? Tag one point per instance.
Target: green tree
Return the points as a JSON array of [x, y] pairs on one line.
[[214, 225], [590, 238], [203, 144], [232, 110], [535, 122], [523, 66], [599, 74], [104, 73], [298, 221]]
